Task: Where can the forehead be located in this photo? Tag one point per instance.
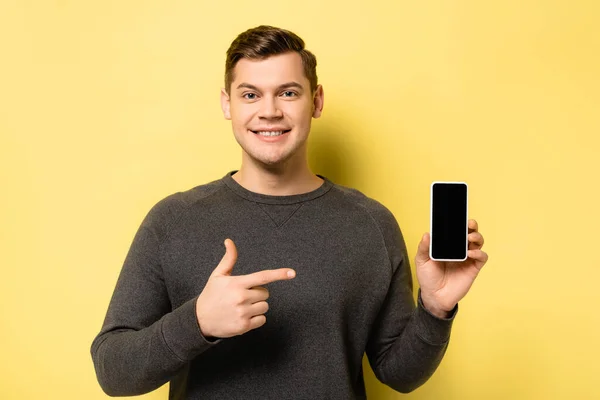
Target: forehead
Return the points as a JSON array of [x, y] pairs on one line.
[[270, 72]]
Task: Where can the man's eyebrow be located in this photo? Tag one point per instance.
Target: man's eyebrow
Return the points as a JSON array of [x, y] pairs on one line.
[[247, 85], [290, 85], [287, 85]]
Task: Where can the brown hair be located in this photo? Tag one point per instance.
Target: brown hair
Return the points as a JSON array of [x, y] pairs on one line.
[[264, 41]]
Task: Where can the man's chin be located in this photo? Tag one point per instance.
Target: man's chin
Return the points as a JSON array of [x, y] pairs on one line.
[[270, 162]]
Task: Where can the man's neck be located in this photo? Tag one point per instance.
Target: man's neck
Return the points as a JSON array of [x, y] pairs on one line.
[[278, 180]]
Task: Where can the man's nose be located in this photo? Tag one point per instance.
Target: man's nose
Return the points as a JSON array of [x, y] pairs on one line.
[[269, 108]]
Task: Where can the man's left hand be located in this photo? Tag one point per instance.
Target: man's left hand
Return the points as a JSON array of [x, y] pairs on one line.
[[444, 284]]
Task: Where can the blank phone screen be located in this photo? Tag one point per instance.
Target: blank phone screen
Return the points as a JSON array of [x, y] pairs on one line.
[[449, 221]]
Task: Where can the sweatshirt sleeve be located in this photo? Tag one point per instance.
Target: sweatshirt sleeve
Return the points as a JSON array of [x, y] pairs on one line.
[[407, 342], [143, 342]]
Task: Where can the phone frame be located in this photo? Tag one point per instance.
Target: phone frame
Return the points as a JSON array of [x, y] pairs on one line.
[[431, 223]]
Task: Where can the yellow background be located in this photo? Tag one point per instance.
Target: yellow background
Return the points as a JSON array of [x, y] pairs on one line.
[[108, 106]]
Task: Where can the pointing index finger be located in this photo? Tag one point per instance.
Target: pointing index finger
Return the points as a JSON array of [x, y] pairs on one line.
[[266, 276]]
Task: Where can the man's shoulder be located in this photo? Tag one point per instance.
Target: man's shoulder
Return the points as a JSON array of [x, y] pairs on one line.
[[186, 198], [191, 196], [360, 200], [382, 217], [172, 207]]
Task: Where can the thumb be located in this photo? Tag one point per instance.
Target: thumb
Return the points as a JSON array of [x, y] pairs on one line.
[[423, 250], [225, 267]]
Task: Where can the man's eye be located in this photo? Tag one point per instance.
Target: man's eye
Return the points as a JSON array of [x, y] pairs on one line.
[[249, 96], [289, 93]]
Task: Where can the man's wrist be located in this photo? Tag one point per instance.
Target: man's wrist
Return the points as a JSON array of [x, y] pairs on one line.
[[433, 309]]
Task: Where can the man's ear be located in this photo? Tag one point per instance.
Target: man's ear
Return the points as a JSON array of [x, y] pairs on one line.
[[225, 104], [318, 101]]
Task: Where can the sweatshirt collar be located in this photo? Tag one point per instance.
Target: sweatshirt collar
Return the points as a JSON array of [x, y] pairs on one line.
[[272, 199]]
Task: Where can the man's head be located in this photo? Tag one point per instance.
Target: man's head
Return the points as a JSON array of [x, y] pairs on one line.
[[271, 94], [264, 41]]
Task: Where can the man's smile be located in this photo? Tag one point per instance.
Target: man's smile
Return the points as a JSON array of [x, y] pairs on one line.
[[270, 133]]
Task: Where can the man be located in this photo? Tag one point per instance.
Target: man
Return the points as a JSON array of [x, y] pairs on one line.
[[313, 276]]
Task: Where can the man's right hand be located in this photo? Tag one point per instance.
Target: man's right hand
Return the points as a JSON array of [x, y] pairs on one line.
[[233, 305]]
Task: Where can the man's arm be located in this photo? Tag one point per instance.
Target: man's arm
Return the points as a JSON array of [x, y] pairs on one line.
[[143, 343], [407, 342], [405, 348]]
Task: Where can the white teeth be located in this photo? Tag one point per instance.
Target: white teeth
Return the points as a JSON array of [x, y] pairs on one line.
[[267, 133]]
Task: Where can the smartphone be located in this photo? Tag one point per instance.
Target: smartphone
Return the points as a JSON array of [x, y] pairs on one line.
[[449, 221]]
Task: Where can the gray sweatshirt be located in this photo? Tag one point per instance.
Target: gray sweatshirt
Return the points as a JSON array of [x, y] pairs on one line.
[[352, 294]]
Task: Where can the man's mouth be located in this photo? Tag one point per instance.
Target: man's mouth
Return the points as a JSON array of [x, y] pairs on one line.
[[270, 133]]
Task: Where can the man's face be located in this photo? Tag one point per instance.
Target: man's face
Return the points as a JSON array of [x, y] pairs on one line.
[[270, 106]]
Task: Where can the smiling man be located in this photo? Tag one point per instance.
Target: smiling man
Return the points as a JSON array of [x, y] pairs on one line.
[[271, 102], [314, 274]]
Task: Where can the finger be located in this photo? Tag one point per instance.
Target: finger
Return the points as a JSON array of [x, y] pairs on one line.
[[257, 294], [267, 276], [225, 267], [258, 308], [423, 250], [473, 225], [475, 240], [478, 255], [257, 321]]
